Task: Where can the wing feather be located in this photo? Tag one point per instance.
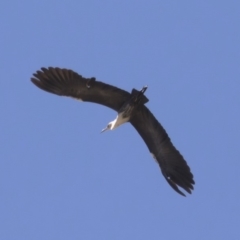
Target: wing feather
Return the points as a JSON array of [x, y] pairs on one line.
[[66, 82], [173, 166]]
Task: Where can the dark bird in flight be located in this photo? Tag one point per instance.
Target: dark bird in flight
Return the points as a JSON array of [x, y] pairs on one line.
[[130, 108]]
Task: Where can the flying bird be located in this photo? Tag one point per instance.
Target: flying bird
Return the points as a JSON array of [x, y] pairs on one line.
[[130, 108]]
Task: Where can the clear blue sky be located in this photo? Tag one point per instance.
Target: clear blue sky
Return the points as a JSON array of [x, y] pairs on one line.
[[60, 178]]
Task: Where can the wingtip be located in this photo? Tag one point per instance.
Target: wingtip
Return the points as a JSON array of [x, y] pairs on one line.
[[175, 185]]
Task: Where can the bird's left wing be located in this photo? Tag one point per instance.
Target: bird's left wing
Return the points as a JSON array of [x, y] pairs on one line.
[[66, 82], [173, 166]]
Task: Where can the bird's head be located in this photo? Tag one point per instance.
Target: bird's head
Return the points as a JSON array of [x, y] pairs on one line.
[[110, 126]]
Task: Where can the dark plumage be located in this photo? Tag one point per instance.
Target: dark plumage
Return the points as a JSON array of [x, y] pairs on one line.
[[65, 82]]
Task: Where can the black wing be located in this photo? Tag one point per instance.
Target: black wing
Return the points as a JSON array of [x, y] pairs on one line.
[[66, 82], [173, 166]]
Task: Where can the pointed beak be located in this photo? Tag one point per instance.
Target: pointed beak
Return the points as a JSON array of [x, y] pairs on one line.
[[105, 129]]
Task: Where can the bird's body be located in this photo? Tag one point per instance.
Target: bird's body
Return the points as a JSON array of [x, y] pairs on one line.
[[128, 109], [131, 108]]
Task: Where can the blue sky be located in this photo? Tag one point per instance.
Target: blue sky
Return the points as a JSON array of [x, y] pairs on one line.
[[60, 178]]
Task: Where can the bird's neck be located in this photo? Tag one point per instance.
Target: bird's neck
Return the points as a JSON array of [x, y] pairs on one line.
[[118, 121]]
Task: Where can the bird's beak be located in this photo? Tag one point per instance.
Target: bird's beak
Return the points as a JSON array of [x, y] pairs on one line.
[[105, 129]]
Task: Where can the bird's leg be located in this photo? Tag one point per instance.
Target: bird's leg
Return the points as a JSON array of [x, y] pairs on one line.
[[144, 89], [140, 94]]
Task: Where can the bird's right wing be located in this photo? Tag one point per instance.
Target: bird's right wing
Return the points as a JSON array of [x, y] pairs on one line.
[[173, 166], [66, 82]]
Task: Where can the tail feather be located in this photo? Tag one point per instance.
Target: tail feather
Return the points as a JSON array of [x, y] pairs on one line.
[[137, 93]]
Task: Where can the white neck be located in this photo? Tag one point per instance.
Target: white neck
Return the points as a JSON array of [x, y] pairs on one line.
[[118, 121]]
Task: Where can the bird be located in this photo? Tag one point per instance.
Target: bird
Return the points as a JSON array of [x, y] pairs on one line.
[[130, 107]]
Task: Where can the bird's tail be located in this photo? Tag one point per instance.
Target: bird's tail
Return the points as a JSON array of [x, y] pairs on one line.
[[139, 95]]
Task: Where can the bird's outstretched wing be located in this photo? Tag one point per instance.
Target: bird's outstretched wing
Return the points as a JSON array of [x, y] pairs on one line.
[[66, 82], [173, 166]]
